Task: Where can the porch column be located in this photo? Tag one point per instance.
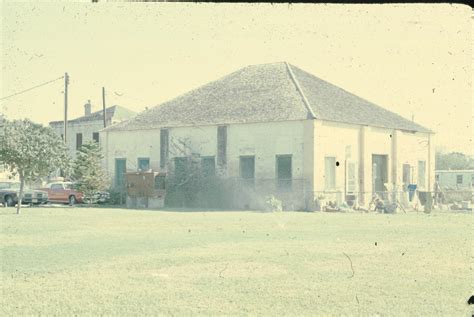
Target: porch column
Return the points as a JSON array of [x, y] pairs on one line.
[[308, 163], [362, 136], [394, 161]]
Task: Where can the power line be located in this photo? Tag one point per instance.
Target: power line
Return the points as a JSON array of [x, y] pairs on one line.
[[26, 90]]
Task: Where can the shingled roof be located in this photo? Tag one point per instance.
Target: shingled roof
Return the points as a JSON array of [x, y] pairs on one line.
[[118, 113], [265, 93]]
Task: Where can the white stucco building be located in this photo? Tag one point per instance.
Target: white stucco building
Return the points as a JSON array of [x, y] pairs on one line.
[[281, 131], [455, 179], [86, 128]]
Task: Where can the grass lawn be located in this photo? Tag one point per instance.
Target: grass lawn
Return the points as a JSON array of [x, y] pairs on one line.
[[67, 261]]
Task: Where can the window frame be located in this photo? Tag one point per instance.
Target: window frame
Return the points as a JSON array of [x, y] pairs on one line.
[[332, 185], [421, 180], [248, 180], [284, 183], [79, 136], [208, 158], [94, 138], [139, 159]]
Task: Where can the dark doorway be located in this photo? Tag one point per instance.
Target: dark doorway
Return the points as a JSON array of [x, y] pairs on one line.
[[120, 169], [247, 169], [283, 171], [379, 172]]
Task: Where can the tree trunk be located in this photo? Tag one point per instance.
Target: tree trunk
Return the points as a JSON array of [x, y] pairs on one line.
[[20, 196]]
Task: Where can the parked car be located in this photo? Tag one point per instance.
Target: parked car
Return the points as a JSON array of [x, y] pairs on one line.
[[10, 193], [63, 192]]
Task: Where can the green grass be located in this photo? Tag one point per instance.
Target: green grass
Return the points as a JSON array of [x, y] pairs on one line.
[[67, 261]]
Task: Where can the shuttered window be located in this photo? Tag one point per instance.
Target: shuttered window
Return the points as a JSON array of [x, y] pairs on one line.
[[329, 172], [78, 140], [164, 147], [222, 146], [351, 177], [421, 174]]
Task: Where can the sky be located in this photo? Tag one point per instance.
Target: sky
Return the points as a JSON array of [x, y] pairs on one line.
[[415, 60]]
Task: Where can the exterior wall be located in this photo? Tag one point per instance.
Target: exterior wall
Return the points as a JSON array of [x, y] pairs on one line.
[[263, 140], [87, 128], [334, 140], [414, 147], [357, 144], [308, 141], [130, 145]]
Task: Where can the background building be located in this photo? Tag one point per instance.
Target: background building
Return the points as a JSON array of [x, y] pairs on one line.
[[455, 179], [87, 127]]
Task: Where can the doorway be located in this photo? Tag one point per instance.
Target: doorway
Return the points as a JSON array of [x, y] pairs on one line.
[[379, 173]]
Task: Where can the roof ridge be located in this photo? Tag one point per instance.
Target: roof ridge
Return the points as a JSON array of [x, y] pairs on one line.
[[305, 101]]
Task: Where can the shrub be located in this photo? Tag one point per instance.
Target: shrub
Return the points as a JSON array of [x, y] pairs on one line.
[[273, 204]]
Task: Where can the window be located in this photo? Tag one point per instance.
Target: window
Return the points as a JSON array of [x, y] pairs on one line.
[[57, 187], [208, 166], [247, 169], [437, 177], [78, 140], [472, 179], [421, 174], [459, 179], [95, 136], [221, 145], [330, 172], [284, 171], [62, 137], [406, 174], [164, 146], [351, 177], [143, 164], [120, 169], [70, 186]]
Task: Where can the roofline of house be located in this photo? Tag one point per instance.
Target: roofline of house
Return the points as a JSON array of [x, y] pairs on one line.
[[115, 127], [79, 119], [305, 101], [454, 171]]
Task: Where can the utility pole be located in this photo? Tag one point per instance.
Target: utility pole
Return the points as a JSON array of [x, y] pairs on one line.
[[66, 83], [103, 104]]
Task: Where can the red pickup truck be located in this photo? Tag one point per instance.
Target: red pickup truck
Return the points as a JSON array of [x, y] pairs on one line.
[[63, 192]]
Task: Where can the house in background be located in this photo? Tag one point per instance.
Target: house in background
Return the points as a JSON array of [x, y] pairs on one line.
[[274, 129], [87, 127], [455, 179]]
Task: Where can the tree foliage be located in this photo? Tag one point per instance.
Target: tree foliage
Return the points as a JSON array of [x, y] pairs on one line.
[[32, 151], [88, 170], [453, 161]]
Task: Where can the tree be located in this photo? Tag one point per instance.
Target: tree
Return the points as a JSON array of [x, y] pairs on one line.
[[453, 161], [88, 171], [31, 151]]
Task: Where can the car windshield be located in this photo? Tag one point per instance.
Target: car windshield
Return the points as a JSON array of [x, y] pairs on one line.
[[12, 185], [70, 186]]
